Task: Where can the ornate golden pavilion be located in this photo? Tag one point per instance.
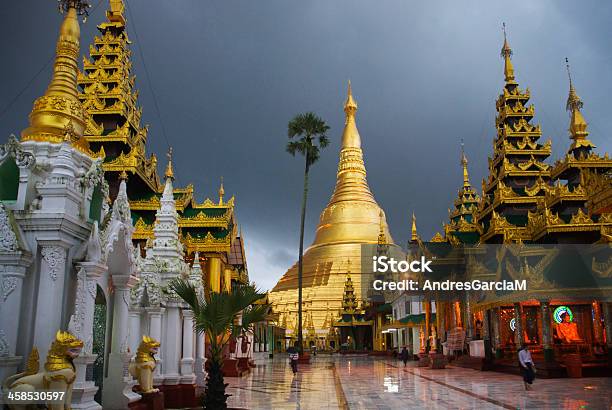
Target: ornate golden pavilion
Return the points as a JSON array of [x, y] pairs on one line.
[[113, 128], [351, 218], [530, 205]]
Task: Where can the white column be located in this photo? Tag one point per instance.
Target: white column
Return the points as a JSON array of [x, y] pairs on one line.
[[84, 390], [118, 383], [200, 361], [135, 333], [52, 277], [12, 272], [187, 361], [155, 331], [172, 344]]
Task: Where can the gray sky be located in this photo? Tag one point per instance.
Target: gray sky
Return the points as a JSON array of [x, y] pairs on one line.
[[229, 75]]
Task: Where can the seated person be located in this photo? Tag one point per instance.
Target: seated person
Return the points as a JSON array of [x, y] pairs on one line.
[[566, 331]]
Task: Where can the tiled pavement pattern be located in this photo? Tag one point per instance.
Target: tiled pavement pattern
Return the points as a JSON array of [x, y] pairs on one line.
[[272, 385], [369, 383]]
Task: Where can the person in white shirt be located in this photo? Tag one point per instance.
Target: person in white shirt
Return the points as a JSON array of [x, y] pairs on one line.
[[527, 366]]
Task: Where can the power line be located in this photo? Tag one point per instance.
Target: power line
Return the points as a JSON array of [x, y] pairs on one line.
[[149, 82]]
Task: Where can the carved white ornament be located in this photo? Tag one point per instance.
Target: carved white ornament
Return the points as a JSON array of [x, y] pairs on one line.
[[9, 283], [8, 239], [55, 258], [4, 345]]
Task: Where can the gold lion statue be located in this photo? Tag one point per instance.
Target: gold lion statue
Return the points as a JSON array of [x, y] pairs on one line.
[[144, 364], [58, 375]]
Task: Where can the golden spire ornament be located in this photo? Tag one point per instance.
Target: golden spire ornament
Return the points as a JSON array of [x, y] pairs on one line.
[[464, 164], [59, 109], [221, 192], [506, 53], [169, 171], [578, 125], [414, 234]]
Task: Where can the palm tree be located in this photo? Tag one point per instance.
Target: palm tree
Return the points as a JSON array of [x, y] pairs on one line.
[[309, 131], [216, 316]]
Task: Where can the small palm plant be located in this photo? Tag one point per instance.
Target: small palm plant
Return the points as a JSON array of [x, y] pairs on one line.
[[216, 315], [309, 131]]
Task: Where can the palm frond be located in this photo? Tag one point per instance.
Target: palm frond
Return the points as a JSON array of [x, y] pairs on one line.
[[188, 293]]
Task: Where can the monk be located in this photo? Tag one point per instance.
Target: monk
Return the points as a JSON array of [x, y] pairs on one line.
[[567, 331]]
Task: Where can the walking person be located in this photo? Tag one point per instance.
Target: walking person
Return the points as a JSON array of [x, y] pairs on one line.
[[404, 355], [527, 367], [293, 358]]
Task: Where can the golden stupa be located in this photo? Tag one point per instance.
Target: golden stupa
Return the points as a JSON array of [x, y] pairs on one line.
[[352, 218]]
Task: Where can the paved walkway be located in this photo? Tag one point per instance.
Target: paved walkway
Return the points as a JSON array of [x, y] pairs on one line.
[[368, 383]]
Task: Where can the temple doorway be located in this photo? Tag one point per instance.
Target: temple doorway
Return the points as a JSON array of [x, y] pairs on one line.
[[99, 339]]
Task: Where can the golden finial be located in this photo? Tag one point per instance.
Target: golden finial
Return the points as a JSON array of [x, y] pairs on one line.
[[578, 125], [221, 192], [123, 176], [382, 238], [169, 171], [573, 101], [506, 53], [464, 164], [415, 236], [350, 106]]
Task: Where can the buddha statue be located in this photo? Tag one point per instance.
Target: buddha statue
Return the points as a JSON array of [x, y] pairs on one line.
[[567, 331], [433, 339]]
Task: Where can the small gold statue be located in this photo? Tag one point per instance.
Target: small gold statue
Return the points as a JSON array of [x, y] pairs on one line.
[[58, 375], [433, 340], [144, 364]]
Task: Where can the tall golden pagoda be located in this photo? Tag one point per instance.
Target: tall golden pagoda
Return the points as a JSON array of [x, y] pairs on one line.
[[352, 218], [112, 126], [518, 176]]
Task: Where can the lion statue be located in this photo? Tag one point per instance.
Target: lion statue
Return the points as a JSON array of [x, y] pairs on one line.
[[58, 375], [144, 364]]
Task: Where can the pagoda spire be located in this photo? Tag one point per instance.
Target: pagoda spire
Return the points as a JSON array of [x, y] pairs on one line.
[[58, 114], [351, 182], [578, 125], [414, 234], [221, 192], [506, 53], [464, 165], [169, 169]]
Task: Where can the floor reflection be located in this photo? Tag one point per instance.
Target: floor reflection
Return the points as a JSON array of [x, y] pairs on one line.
[[371, 383]]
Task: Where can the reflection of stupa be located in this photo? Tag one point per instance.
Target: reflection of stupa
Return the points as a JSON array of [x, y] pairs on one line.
[[351, 218]]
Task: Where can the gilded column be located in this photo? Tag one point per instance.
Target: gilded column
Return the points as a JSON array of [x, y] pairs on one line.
[[469, 328], [607, 313], [187, 361], [495, 312], [546, 331], [486, 334], [213, 271], [518, 323], [597, 327]]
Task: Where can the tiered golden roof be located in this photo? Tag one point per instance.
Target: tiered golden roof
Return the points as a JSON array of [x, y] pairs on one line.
[[565, 207], [462, 225], [517, 164], [112, 126]]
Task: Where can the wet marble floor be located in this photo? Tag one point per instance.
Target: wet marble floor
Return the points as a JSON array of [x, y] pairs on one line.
[[342, 382]]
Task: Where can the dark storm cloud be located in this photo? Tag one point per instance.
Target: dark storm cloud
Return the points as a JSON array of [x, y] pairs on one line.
[[228, 75]]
